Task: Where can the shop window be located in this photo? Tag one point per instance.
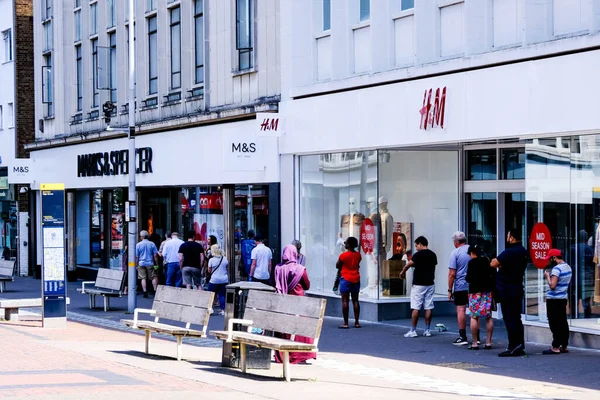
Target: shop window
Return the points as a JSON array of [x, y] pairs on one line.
[[482, 221], [513, 163], [481, 165]]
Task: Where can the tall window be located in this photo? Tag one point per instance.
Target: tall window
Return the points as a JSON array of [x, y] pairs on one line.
[[95, 93], [77, 3], [407, 4], [244, 34], [152, 56], [46, 9], [48, 35], [47, 86], [8, 53], [151, 5], [134, 39], [10, 114], [0, 117], [77, 25], [199, 38], [326, 15], [112, 39], [79, 67], [93, 18], [175, 48], [111, 13], [365, 10]]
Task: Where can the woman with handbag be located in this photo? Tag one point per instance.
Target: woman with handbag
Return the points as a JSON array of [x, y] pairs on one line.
[[219, 278], [482, 285]]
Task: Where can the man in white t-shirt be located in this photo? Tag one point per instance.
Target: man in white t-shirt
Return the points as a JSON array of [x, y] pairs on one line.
[[260, 271]]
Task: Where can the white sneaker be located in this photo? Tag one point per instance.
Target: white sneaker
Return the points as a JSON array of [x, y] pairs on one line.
[[427, 333], [221, 312], [411, 334]]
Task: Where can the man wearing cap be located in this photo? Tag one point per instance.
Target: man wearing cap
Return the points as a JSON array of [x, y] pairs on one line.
[[260, 271], [511, 264], [458, 288], [171, 256], [556, 301], [146, 257]]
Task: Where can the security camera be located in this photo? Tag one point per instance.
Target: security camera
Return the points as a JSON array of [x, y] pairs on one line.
[[24, 190]]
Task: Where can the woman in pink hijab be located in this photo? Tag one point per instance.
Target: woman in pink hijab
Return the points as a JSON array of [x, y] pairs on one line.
[[291, 278]]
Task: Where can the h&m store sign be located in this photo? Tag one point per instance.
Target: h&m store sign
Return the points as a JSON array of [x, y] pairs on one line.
[[114, 163]]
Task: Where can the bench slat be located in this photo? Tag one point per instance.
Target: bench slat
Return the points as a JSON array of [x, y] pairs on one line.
[[108, 283], [284, 323], [101, 291], [164, 328], [265, 341], [293, 305], [182, 296], [178, 312]]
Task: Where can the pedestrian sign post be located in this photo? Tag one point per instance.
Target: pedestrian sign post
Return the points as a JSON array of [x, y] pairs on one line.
[[54, 289]]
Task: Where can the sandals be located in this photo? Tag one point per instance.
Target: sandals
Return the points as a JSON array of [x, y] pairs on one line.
[[357, 326], [343, 327], [473, 347], [487, 347]]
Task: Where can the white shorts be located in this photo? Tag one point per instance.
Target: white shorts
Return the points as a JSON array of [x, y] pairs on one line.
[[422, 296]]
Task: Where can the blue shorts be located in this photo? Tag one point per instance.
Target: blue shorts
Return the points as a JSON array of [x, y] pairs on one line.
[[348, 287]]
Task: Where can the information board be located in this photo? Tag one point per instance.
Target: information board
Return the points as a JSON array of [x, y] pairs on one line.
[[53, 245]]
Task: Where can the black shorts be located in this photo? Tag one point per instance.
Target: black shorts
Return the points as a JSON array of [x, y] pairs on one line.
[[461, 298]]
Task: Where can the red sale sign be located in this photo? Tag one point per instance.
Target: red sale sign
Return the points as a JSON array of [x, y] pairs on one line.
[[367, 236], [540, 242]]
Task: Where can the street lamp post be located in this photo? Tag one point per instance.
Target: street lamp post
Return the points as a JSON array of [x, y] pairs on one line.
[[132, 227]]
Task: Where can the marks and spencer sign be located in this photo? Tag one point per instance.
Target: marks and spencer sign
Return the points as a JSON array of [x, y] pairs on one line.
[[114, 163]]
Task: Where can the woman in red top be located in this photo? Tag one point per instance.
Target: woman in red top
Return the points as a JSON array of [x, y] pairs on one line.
[[349, 264]]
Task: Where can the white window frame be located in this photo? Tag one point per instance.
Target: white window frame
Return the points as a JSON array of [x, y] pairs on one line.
[[113, 69], [326, 24], [11, 115], [1, 114], [8, 45], [367, 5], [152, 58], [244, 48], [79, 76], [199, 61], [94, 18], [175, 36]]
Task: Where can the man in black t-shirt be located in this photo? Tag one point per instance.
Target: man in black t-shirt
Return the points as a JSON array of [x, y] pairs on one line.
[[191, 257], [511, 264], [423, 284]]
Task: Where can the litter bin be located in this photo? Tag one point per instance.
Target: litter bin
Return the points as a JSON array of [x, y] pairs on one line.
[[236, 295]]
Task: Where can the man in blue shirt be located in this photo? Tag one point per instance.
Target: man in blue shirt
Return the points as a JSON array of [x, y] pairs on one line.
[[146, 258], [247, 246], [556, 301], [511, 264], [458, 288]]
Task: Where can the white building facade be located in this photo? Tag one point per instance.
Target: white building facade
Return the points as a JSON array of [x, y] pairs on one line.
[[204, 71], [409, 118]]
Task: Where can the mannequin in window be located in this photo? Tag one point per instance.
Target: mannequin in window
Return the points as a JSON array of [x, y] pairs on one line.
[[387, 226], [351, 222], [371, 258]]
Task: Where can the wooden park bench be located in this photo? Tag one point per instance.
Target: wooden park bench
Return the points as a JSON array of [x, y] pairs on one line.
[[294, 315], [175, 304], [7, 269], [108, 283], [11, 306]]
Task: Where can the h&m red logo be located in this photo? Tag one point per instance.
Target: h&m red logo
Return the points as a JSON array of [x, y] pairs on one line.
[[270, 124], [433, 116]]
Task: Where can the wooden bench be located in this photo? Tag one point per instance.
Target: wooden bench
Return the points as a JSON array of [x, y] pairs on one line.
[[11, 306], [7, 270], [294, 315], [108, 283], [176, 304]]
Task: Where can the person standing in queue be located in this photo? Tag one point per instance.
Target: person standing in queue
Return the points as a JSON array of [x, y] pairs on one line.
[[511, 264], [348, 266]]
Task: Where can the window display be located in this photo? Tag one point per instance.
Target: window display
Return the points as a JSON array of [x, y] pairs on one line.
[[382, 198], [562, 185]]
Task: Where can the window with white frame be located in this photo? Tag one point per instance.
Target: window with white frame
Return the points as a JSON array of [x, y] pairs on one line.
[[48, 36], [8, 52], [77, 15], [175, 26], [112, 40], [152, 56], [151, 5], [1, 126], [10, 115], [365, 10], [95, 93], [112, 19], [48, 86], [79, 72], [199, 40], [93, 18], [134, 39], [326, 15], [77, 3], [244, 28], [47, 10], [407, 4]]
